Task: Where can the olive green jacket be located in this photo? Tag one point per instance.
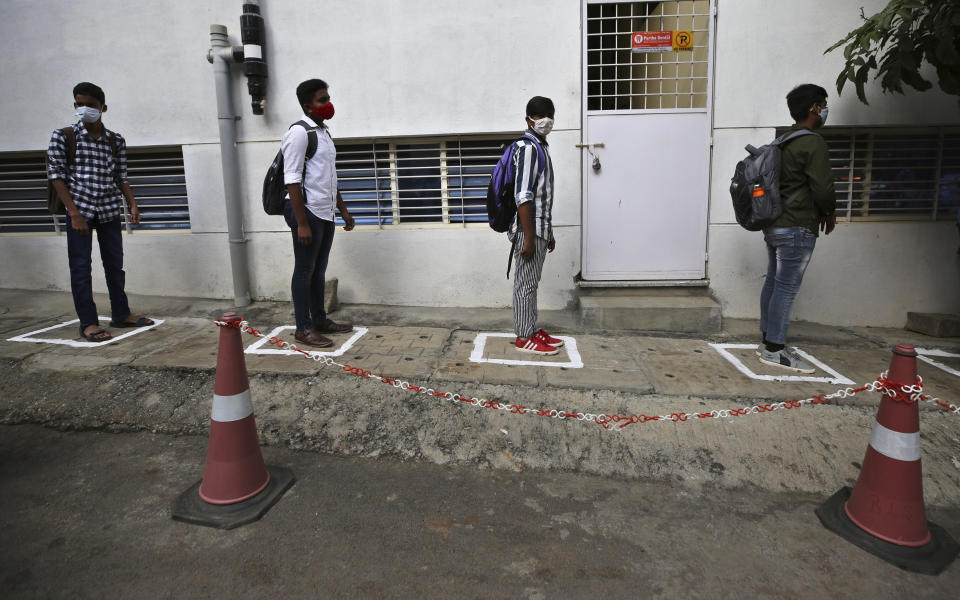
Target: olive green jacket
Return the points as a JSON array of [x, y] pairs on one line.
[[805, 167]]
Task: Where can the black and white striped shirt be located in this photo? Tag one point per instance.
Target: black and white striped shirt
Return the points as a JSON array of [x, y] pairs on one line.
[[95, 175], [533, 186]]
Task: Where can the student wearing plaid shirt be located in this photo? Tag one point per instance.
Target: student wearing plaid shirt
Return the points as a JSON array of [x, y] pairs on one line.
[[91, 187]]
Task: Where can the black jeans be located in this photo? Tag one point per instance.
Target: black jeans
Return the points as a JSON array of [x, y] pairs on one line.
[[309, 269], [79, 248]]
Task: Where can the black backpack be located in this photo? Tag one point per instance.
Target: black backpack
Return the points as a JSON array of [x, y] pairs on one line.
[[755, 186], [274, 190]]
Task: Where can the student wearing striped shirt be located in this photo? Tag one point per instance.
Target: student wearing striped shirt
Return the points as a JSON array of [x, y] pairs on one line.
[[531, 231], [88, 171]]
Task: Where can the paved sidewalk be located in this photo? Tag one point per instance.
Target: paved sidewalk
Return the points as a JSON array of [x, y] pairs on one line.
[[161, 380]]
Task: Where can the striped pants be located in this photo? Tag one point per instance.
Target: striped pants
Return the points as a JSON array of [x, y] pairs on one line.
[[526, 279]]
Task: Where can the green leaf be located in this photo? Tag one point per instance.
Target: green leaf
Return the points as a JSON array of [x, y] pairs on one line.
[[916, 81], [949, 81], [841, 79]]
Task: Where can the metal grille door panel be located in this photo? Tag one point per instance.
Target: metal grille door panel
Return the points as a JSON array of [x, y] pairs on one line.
[[647, 124]]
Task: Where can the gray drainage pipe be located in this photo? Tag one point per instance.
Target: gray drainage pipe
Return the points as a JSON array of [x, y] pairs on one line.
[[221, 54]]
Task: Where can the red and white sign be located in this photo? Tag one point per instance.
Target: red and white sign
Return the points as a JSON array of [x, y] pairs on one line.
[[652, 41]]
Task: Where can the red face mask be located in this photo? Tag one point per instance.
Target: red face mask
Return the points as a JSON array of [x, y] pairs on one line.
[[324, 112]]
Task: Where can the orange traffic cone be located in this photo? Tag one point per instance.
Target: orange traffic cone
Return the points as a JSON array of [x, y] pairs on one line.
[[885, 514], [237, 488]]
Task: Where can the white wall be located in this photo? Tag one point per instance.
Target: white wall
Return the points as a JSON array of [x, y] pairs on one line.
[[764, 49], [863, 273], [436, 67], [395, 68], [423, 68]]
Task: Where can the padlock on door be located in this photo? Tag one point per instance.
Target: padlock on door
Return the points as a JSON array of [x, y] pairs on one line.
[[596, 159]]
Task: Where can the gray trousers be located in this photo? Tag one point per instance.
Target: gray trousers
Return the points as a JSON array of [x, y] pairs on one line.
[[526, 279]]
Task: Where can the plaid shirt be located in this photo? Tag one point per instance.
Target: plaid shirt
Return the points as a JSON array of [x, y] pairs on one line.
[[94, 176]]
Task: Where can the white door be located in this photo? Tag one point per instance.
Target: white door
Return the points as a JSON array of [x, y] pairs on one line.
[[645, 208]]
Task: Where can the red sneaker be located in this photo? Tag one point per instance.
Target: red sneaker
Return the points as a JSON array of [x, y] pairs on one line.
[[534, 345], [548, 340]]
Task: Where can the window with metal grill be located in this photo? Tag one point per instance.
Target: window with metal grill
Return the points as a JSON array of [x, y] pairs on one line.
[[619, 78], [417, 182], [895, 174], [155, 174]]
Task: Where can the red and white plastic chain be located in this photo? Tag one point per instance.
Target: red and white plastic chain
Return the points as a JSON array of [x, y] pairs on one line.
[[906, 393]]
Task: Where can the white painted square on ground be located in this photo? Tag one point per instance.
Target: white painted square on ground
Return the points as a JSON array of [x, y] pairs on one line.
[[724, 350], [569, 344], [924, 354], [29, 337], [257, 346]]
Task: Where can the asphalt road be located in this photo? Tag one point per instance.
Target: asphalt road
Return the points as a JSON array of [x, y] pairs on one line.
[[87, 515]]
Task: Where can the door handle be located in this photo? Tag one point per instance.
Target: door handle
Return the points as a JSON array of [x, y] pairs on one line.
[[587, 146]]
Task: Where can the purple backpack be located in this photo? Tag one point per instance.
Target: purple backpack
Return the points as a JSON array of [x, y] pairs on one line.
[[501, 204]]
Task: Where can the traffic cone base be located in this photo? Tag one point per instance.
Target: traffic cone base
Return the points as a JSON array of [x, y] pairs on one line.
[[191, 508], [929, 559]]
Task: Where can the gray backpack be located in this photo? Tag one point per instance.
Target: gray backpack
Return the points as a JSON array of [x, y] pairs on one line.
[[755, 186]]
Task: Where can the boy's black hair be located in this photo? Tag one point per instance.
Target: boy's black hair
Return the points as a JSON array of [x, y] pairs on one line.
[[307, 89], [802, 97], [539, 105], [88, 89]]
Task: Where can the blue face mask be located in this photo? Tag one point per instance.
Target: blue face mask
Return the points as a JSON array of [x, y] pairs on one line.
[[87, 114], [823, 116]]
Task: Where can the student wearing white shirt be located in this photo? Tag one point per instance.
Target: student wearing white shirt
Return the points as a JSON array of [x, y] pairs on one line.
[[309, 211]]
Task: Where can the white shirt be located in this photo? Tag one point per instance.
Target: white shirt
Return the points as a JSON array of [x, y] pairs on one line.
[[320, 186]]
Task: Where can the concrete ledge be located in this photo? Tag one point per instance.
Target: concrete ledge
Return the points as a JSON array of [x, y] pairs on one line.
[[934, 324], [689, 314]]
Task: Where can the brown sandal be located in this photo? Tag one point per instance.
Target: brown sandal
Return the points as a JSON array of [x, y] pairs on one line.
[[311, 338]]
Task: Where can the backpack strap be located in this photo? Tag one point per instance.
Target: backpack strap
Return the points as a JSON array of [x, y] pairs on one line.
[[541, 162], [786, 138], [541, 156], [790, 135], [792, 197], [311, 139], [115, 150], [71, 140], [311, 150]]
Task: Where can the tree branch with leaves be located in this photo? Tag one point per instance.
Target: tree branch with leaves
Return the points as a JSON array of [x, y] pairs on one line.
[[896, 42]]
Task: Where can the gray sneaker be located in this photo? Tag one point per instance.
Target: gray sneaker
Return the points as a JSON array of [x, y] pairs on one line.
[[786, 360]]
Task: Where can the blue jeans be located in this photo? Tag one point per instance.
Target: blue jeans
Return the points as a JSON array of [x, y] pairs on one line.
[[79, 249], [788, 252], [309, 269]]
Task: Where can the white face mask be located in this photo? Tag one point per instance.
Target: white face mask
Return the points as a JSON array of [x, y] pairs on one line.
[[87, 114], [543, 126]]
